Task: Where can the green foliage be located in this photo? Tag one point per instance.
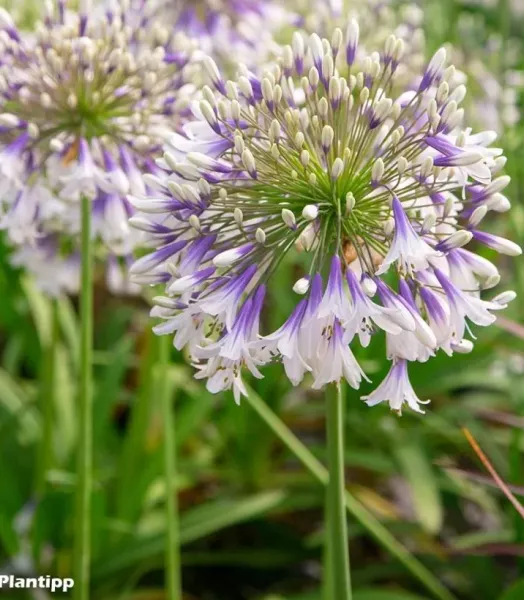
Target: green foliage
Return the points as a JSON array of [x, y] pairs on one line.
[[251, 496], [515, 592]]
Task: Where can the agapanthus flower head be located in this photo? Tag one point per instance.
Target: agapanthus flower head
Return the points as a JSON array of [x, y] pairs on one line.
[[492, 100], [377, 20], [382, 190], [226, 29], [85, 103]]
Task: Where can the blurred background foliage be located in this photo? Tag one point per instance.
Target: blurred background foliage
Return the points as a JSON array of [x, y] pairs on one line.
[[251, 516]]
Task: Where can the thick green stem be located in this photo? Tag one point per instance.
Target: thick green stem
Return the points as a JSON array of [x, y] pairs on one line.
[[82, 556], [48, 380], [337, 520], [172, 564], [360, 512], [327, 563]]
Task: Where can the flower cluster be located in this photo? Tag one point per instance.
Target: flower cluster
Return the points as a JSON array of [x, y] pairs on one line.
[[317, 156], [492, 96], [377, 20], [85, 105], [225, 28]]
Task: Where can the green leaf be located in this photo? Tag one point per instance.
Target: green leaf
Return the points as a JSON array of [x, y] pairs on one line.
[[141, 461], [134, 448], [468, 541], [195, 524], [208, 518], [307, 596], [109, 385], [193, 412], [384, 594], [65, 399], [13, 354], [515, 592], [362, 594], [70, 328], [8, 536], [421, 477], [18, 405], [40, 308]]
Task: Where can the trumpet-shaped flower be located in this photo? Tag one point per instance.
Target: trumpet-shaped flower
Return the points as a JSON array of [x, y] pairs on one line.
[[325, 154]]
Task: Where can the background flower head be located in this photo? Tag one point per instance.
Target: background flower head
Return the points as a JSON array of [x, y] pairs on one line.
[[86, 102], [228, 29]]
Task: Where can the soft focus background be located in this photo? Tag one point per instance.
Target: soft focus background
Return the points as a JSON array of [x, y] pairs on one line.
[[251, 517]]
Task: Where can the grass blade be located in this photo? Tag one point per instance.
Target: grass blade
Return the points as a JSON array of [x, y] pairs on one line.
[[195, 524]]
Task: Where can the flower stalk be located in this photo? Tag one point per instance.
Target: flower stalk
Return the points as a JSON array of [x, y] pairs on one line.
[[357, 510], [337, 549], [82, 557], [172, 558]]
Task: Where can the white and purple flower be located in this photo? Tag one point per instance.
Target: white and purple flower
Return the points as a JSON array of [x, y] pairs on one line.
[[396, 389], [378, 185], [224, 28], [86, 105]]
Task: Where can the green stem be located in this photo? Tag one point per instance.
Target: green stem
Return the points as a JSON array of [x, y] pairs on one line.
[[361, 514], [82, 556], [515, 469], [173, 563], [327, 563], [45, 452], [504, 13], [337, 521]]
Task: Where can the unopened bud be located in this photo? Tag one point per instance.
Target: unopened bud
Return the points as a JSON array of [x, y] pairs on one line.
[[289, 218], [337, 168], [350, 203], [260, 236], [369, 286], [238, 215], [327, 137], [249, 163], [478, 214], [463, 347], [301, 286], [194, 221], [377, 171], [310, 212], [402, 165]]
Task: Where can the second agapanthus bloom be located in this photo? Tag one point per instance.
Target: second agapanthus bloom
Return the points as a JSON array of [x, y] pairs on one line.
[[383, 189], [86, 103]]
